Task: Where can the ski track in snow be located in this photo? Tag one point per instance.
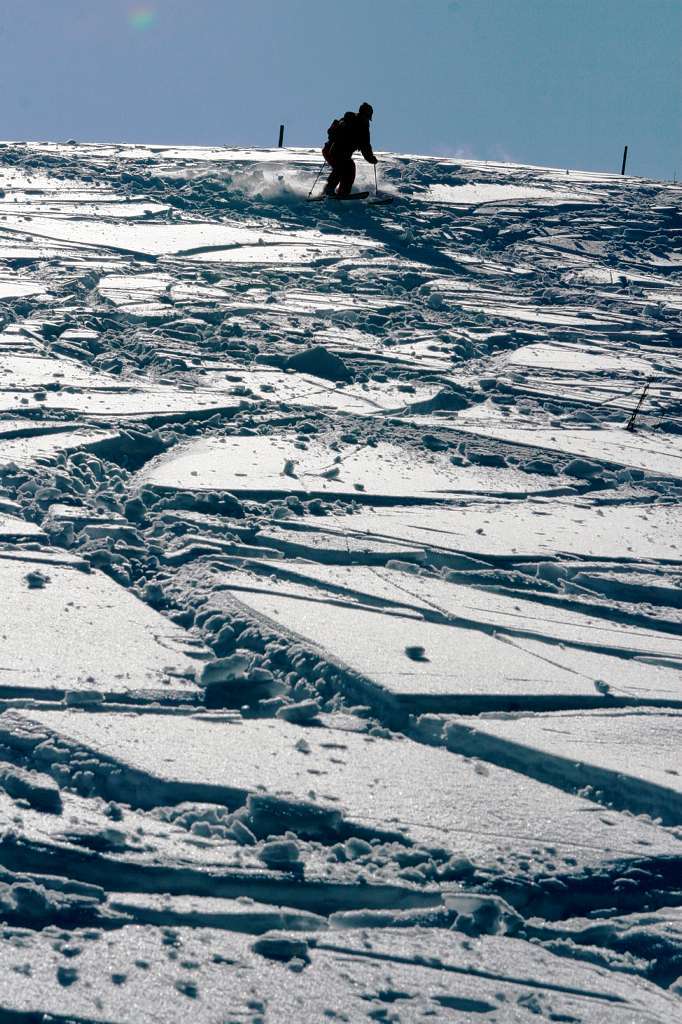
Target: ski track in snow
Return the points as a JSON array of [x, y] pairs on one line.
[[340, 561]]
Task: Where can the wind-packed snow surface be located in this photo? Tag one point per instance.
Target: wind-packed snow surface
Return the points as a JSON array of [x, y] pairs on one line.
[[340, 605]]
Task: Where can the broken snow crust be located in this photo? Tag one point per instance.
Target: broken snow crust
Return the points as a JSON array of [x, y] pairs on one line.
[[424, 794], [480, 650], [140, 975], [340, 604]]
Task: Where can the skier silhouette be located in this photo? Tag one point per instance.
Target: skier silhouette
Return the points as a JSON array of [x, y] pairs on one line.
[[345, 135]]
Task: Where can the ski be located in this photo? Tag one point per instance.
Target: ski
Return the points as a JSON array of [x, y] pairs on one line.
[[338, 199]]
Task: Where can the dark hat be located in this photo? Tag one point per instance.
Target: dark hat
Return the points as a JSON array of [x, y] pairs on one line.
[[367, 109]]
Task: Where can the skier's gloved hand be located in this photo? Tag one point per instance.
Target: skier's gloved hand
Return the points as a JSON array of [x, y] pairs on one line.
[[373, 159]]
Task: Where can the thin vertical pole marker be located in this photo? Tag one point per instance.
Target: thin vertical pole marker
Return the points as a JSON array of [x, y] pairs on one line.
[[281, 136], [625, 160]]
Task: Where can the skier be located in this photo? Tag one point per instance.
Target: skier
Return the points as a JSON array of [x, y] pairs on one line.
[[346, 134]]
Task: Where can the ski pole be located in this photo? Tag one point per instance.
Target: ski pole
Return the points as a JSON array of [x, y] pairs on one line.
[[633, 419], [317, 178], [376, 186]]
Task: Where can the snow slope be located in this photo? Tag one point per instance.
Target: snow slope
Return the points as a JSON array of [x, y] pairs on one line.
[[340, 563]]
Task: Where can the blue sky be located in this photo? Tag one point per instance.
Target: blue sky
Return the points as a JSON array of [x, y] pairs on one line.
[[556, 82]]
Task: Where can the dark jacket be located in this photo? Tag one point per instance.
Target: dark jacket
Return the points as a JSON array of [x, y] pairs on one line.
[[349, 133]]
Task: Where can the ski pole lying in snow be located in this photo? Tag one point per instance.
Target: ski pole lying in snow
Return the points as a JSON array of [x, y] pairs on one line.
[[633, 419], [317, 178]]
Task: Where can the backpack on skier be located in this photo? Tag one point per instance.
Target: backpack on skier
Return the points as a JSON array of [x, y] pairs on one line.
[[341, 133]]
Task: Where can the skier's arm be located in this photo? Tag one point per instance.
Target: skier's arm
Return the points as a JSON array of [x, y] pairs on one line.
[[366, 148]]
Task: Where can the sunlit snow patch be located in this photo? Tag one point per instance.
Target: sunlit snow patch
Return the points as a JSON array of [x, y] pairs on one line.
[[633, 759], [95, 637], [34, 448], [204, 242], [12, 288], [274, 465], [29, 383], [424, 794], [222, 154], [654, 453], [480, 651], [540, 528], [349, 975], [32, 373], [13, 528], [579, 359], [485, 192]]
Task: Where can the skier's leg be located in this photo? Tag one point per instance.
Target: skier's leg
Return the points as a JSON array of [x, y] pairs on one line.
[[347, 174], [334, 177], [332, 182]]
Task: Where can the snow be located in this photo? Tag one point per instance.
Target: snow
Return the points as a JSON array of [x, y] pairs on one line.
[[645, 942], [225, 154], [576, 360], [340, 613], [234, 915], [97, 843], [542, 528], [429, 796], [95, 639], [492, 651], [132, 976], [485, 192], [633, 758], [610, 445], [27, 450], [271, 465], [11, 289], [200, 241], [33, 373], [12, 527]]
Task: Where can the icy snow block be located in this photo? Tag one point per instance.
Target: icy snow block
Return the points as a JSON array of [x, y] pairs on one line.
[[334, 546], [59, 840], [633, 758], [605, 445], [22, 373], [13, 289], [653, 936], [538, 528], [195, 854], [201, 241], [134, 975], [272, 465], [502, 305], [418, 793], [82, 635], [13, 528], [484, 192], [585, 637], [26, 451], [274, 387], [479, 653], [153, 402], [235, 915], [21, 426], [579, 359]]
